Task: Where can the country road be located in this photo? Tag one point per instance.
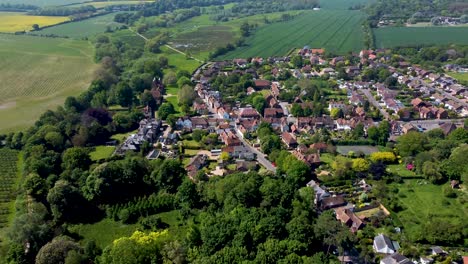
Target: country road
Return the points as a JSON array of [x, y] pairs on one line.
[[260, 156], [374, 102], [167, 45]]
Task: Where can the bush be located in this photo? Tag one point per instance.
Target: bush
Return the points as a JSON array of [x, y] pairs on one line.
[[385, 157], [449, 192], [152, 222]]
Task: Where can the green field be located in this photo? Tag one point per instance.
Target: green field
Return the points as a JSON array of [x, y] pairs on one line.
[[204, 39], [43, 2], [337, 31], [8, 182], [423, 202], [83, 28], [461, 77], [390, 37], [102, 4], [343, 4], [38, 74]]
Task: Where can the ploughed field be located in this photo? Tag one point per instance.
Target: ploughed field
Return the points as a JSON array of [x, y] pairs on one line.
[[338, 31], [38, 74]]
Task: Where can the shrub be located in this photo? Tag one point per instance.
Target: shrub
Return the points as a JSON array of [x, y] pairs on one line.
[[385, 157]]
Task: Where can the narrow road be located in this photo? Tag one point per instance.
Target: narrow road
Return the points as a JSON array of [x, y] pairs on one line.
[[260, 156], [374, 102], [167, 45], [451, 96]]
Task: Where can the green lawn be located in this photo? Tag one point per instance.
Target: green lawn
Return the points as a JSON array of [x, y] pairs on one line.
[[103, 232], [192, 144], [174, 101], [191, 152], [423, 202], [38, 74], [327, 158], [102, 152], [400, 170], [461, 77], [121, 137], [178, 61]]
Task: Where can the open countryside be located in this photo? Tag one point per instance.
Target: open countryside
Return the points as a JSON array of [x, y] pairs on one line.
[[17, 21], [42, 2], [83, 28], [337, 31], [38, 74], [104, 4], [390, 37]]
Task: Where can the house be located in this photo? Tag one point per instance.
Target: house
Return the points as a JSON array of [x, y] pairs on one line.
[[448, 128], [335, 104], [320, 147], [247, 126], [239, 152], [289, 140], [262, 84], [426, 260], [147, 132], [454, 184], [332, 202], [348, 218], [311, 159], [273, 113], [436, 250], [352, 71], [248, 112], [199, 123], [417, 103], [195, 164], [396, 258], [320, 193], [383, 244], [229, 138], [408, 127]]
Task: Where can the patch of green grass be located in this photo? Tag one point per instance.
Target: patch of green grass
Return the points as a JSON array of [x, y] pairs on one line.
[[179, 61], [42, 2], [390, 37], [121, 137], [38, 74], [191, 144], [191, 152], [327, 158], [400, 170], [102, 4], [102, 152], [338, 31], [423, 202], [83, 28], [103, 232], [172, 90], [9, 179], [460, 76], [177, 227], [174, 101]]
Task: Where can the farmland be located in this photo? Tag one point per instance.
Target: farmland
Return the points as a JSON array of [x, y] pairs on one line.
[[17, 21], [83, 28], [42, 2], [104, 4], [8, 182], [38, 74], [416, 36], [337, 31], [343, 4]]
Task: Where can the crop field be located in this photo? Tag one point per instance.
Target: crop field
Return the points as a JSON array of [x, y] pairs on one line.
[[18, 21], [83, 28], [337, 31], [8, 181], [43, 2], [416, 36], [343, 4], [38, 74], [104, 4]]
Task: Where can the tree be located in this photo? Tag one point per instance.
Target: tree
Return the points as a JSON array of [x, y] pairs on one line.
[[169, 175], [154, 44], [358, 131], [182, 81], [124, 95], [360, 165], [186, 95], [245, 29], [165, 110], [76, 158], [66, 202], [56, 251], [296, 110], [411, 144], [297, 61], [460, 134], [431, 171], [259, 103], [336, 113], [35, 27]]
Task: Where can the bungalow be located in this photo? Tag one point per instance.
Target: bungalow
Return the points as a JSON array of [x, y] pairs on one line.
[[408, 127], [289, 140], [239, 152], [448, 128], [383, 244]]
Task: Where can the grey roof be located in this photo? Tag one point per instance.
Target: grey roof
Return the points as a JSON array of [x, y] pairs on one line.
[[382, 241], [396, 258]]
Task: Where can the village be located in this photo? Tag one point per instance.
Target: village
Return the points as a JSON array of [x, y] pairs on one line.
[[222, 136]]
